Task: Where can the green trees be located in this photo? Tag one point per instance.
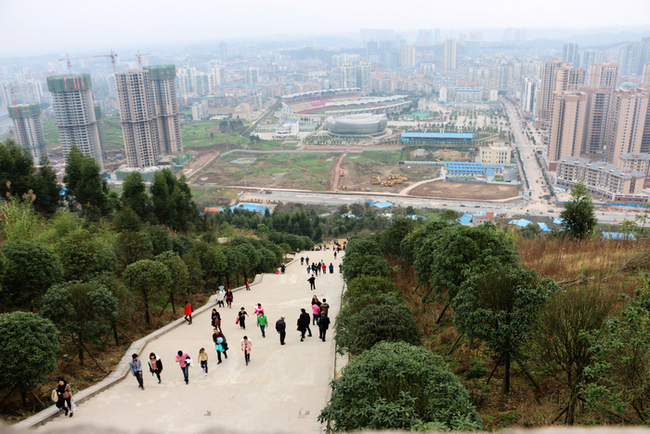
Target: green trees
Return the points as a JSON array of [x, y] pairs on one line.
[[620, 366], [29, 346], [561, 336], [363, 257], [578, 216], [83, 257], [499, 307], [398, 386], [81, 311], [172, 201], [31, 269], [178, 273], [85, 186], [147, 279], [135, 197]]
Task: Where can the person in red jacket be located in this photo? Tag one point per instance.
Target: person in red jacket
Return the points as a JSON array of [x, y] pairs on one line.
[[188, 312]]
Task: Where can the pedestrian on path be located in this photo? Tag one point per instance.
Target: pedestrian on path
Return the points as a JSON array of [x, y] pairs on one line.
[[64, 396], [308, 269], [302, 260], [221, 296], [241, 318], [261, 322], [136, 369], [224, 343], [220, 346], [315, 310], [281, 328], [229, 298], [331, 268], [324, 307], [188, 312], [324, 267], [334, 254], [312, 283], [340, 268], [246, 347], [182, 360], [203, 358], [155, 366], [323, 325], [307, 260], [248, 287], [303, 324], [258, 309], [215, 319], [315, 300]]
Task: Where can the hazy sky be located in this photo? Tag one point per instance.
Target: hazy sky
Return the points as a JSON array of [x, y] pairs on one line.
[[28, 26]]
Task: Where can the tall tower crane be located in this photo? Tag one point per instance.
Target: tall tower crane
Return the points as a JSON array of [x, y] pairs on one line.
[[140, 56], [68, 59]]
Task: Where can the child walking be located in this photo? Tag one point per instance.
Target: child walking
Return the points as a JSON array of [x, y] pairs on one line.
[[203, 358]]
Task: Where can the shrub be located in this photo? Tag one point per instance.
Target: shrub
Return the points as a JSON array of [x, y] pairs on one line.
[[398, 386]]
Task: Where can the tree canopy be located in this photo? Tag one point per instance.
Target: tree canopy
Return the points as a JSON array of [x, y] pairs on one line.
[[578, 215]]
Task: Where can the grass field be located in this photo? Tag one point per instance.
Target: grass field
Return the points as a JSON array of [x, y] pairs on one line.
[[302, 171]]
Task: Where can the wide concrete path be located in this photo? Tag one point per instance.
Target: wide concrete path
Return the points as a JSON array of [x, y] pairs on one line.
[[283, 388]]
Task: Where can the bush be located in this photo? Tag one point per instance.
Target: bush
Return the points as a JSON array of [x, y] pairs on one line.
[[376, 323], [369, 285], [398, 386]]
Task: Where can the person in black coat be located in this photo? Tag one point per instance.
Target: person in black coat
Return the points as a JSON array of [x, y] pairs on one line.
[[281, 328], [155, 366], [303, 324], [323, 325]]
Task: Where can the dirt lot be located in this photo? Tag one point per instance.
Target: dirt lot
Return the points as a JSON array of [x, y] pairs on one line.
[[465, 190]]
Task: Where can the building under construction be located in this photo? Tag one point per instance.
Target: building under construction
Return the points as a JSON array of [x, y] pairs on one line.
[[28, 128]]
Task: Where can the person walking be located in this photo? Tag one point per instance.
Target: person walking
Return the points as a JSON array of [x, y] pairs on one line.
[[246, 347], [281, 328], [312, 283], [188, 312], [261, 322], [315, 310], [181, 359], [258, 309], [229, 298], [340, 268], [334, 254], [203, 358], [303, 324], [241, 318], [215, 319], [216, 336], [315, 300], [64, 396], [324, 307], [331, 268], [324, 267], [155, 366], [323, 325], [307, 260], [221, 296], [219, 348], [136, 369], [248, 287], [302, 260]]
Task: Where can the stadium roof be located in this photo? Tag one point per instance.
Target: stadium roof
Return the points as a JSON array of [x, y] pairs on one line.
[[439, 135], [320, 92]]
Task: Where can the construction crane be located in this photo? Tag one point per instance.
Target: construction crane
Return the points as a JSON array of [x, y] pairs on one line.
[[68, 59], [140, 56]]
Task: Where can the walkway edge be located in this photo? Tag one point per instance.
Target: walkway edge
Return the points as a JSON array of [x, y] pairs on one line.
[[122, 369]]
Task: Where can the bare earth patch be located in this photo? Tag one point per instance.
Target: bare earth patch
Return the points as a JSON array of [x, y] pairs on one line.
[[465, 190]]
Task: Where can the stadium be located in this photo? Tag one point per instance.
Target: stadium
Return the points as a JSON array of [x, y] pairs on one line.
[[320, 104], [357, 125]]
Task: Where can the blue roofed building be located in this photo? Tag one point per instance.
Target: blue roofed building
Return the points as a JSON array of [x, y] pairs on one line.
[[382, 205], [618, 236], [438, 138]]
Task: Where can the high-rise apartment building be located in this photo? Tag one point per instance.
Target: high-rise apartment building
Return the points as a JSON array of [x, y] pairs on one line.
[[364, 81], [567, 125], [589, 57], [348, 77], [223, 51], [529, 93], [645, 76], [163, 79], [547, 87], [626, 123], [28, 128], [138, 118], [599, 100], [570, 53], [473, 48], [603, 75], [569, 78], [628, 58], [75, 115], [407, 56], [450, 53], [252, 75]]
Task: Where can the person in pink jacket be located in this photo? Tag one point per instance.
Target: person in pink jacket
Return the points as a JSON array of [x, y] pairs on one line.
[[246, 347], [315, 309], [181, 359]]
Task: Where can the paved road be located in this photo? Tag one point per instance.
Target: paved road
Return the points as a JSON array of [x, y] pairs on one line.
[[284, 387]]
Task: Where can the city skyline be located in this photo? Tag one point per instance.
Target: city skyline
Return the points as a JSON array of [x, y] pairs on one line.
[[39, 23]]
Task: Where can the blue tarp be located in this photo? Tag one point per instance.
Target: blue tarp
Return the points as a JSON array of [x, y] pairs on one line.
[[250, 207], [618, 236], [381, 205], [544, 227], [465, 219], [522, 223], [558, 221]]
